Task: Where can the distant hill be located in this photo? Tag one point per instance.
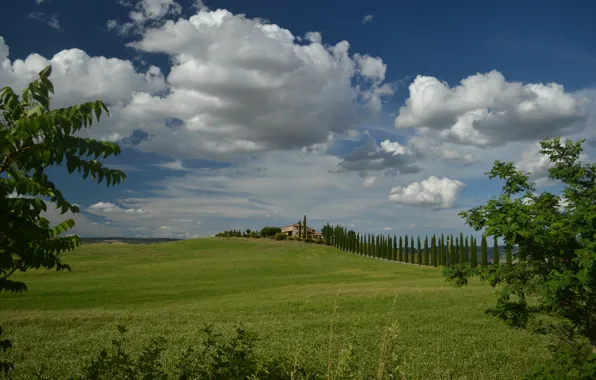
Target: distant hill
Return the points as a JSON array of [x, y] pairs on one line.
[[126, 240]]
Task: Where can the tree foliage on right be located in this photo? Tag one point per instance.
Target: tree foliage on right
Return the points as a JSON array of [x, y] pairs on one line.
[[551, 285]]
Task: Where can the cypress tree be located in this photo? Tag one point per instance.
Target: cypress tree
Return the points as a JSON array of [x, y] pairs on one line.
[[361, 239], [407, 252], [473, 254], [433, 251], [452, 252], [389, 248], [508, 255], [426, 253], [443, 251], [441, 248], [401, 250], [496, 253], [419, 253], [412, 250], [394, 248], [483, 252], [376, 246], [304, 227], [468, 252], [463, 255]]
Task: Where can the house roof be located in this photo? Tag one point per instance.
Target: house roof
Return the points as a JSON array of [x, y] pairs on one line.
[[296, 225]]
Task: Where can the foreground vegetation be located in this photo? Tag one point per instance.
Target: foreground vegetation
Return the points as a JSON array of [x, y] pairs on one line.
[[284, 292]]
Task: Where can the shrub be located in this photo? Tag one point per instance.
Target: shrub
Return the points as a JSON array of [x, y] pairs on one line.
[[290, 238], [280, 236], [309, 240], [215, 358], [270, 231], [318, 241]]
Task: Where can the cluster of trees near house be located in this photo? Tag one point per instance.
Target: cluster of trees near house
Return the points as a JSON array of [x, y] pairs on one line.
[[265, 232], [272, 233]]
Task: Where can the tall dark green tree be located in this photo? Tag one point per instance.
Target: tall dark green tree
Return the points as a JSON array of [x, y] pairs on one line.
[[439, 243], [468, 253], [389, 248], [433, 251], [412, 251], [394, 248], [401, 250], [463, 255], [444, 244], [484, 251], [473, 254], [426, 253], [407, 250], [304, 226], [34, 138], [452, 252], [419, 252], [496, 253]]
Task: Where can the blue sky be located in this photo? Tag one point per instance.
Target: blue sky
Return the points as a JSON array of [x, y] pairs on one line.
[[233, 114]]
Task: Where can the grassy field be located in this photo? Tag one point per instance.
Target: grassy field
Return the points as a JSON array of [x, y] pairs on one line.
[[284, 291]]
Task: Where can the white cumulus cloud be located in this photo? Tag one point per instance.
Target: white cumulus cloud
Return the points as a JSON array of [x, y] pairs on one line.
[[485, 109], [433, 191]]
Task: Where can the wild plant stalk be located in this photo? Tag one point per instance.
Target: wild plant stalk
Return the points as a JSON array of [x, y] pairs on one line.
[[386, 341], [331, 336]]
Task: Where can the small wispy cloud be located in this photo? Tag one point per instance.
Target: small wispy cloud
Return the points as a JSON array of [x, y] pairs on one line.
[[367, 19], [39, 1], [50, 20], [174, 165]]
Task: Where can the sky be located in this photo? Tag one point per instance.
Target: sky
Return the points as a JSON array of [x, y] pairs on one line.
[[380, 116]]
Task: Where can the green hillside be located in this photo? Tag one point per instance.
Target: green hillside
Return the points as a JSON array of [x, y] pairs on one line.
[[285, 291]]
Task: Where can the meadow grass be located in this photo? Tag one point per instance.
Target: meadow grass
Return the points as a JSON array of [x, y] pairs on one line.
[[288, 293]]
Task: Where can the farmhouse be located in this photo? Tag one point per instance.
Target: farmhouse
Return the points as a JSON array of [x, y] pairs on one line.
[[297, 230]]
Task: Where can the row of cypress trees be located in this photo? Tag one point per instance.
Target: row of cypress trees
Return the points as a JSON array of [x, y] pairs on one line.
[[434, 251]]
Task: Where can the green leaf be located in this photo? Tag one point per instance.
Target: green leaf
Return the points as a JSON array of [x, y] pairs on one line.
[[46, 72]]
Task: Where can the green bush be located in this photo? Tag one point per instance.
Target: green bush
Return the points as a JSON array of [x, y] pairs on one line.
[[290, 238], [319, 241], [215, 358], [280, 236], [270, 231], [309, 240], [570, 362]]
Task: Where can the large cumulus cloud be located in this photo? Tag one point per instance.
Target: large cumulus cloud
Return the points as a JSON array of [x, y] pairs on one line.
[[486, 110]]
